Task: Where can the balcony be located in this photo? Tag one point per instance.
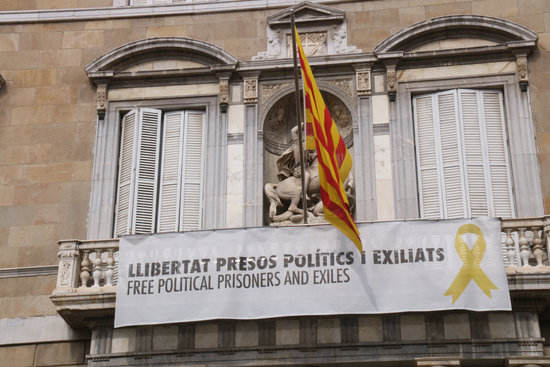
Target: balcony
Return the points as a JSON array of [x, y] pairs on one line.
[[88, 273]]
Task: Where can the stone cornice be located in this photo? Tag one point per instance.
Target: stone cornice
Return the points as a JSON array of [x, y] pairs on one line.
[[29, 271], [57, 15]]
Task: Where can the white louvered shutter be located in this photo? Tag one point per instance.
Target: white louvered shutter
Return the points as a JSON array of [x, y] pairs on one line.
[[191, 208], [497, 155], [127, 161], [460, 136], [428, 177], [171, 172], [474, 153], [451, 173], [146, 171]]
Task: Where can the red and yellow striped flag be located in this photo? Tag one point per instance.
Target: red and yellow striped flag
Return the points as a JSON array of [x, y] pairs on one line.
[[332, 155]]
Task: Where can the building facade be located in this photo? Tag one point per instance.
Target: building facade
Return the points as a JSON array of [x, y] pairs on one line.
[[146, 116]]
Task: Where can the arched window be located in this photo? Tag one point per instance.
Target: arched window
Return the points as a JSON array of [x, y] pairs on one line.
[[462, 138], [157, 160]]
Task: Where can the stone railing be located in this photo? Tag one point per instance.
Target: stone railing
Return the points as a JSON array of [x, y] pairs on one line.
[[91, 266], [87, 265], [526, 245]]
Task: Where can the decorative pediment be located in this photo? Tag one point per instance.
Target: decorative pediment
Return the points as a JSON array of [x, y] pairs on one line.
[[170, 50], [323, 31], [307, 12], [472, 27], [458, 37]]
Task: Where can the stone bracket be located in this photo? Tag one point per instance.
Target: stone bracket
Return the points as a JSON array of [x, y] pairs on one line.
[[101, 100], [390, 60], [521, 49], [224, 94]]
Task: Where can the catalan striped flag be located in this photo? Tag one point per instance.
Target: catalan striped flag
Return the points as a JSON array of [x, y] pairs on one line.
[[332, 155]]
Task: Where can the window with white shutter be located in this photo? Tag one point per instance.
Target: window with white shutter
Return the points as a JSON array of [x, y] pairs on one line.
[[462, 157], [160, 172]]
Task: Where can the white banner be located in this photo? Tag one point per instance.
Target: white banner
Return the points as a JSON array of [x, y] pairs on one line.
[[287, 271]]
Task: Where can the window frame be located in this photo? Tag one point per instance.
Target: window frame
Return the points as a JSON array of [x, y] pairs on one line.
[[462, 155], [523, 163], [107, 153]]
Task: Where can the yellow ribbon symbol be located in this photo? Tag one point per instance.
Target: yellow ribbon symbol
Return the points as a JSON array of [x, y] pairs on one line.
[[471, 258]]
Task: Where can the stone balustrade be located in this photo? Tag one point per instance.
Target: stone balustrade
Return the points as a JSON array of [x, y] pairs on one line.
[[526, 245], [91, 266], [87, 265]]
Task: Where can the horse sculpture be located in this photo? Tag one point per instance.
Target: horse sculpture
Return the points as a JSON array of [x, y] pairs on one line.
[[290, 189]]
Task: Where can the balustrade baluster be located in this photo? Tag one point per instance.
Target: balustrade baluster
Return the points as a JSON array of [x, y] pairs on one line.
[[97, 268], [110, 268], [510, 247], [537, 246], [85, 269], [524, 250]]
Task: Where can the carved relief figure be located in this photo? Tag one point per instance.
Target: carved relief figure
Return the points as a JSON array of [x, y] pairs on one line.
[[340, 37], [285, 196]]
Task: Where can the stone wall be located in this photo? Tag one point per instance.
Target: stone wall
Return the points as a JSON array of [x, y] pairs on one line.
[[51, 354], [48, 118], [52, 4], [329, 339]]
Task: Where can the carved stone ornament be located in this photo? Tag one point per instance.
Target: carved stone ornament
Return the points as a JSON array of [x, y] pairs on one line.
[[313, 43], [392, 82], [343, 84], [521, 62], [269, 89], [65, 270], [101, 97], [69, 260], [392, 79], [339, 36], [362, 79], [274, 41], [250, 90], [224, 91]]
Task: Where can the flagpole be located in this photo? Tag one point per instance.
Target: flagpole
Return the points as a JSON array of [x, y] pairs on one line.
[[299, 117]]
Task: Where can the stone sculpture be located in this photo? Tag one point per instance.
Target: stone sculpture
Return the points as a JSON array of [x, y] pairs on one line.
[[285, 196]]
